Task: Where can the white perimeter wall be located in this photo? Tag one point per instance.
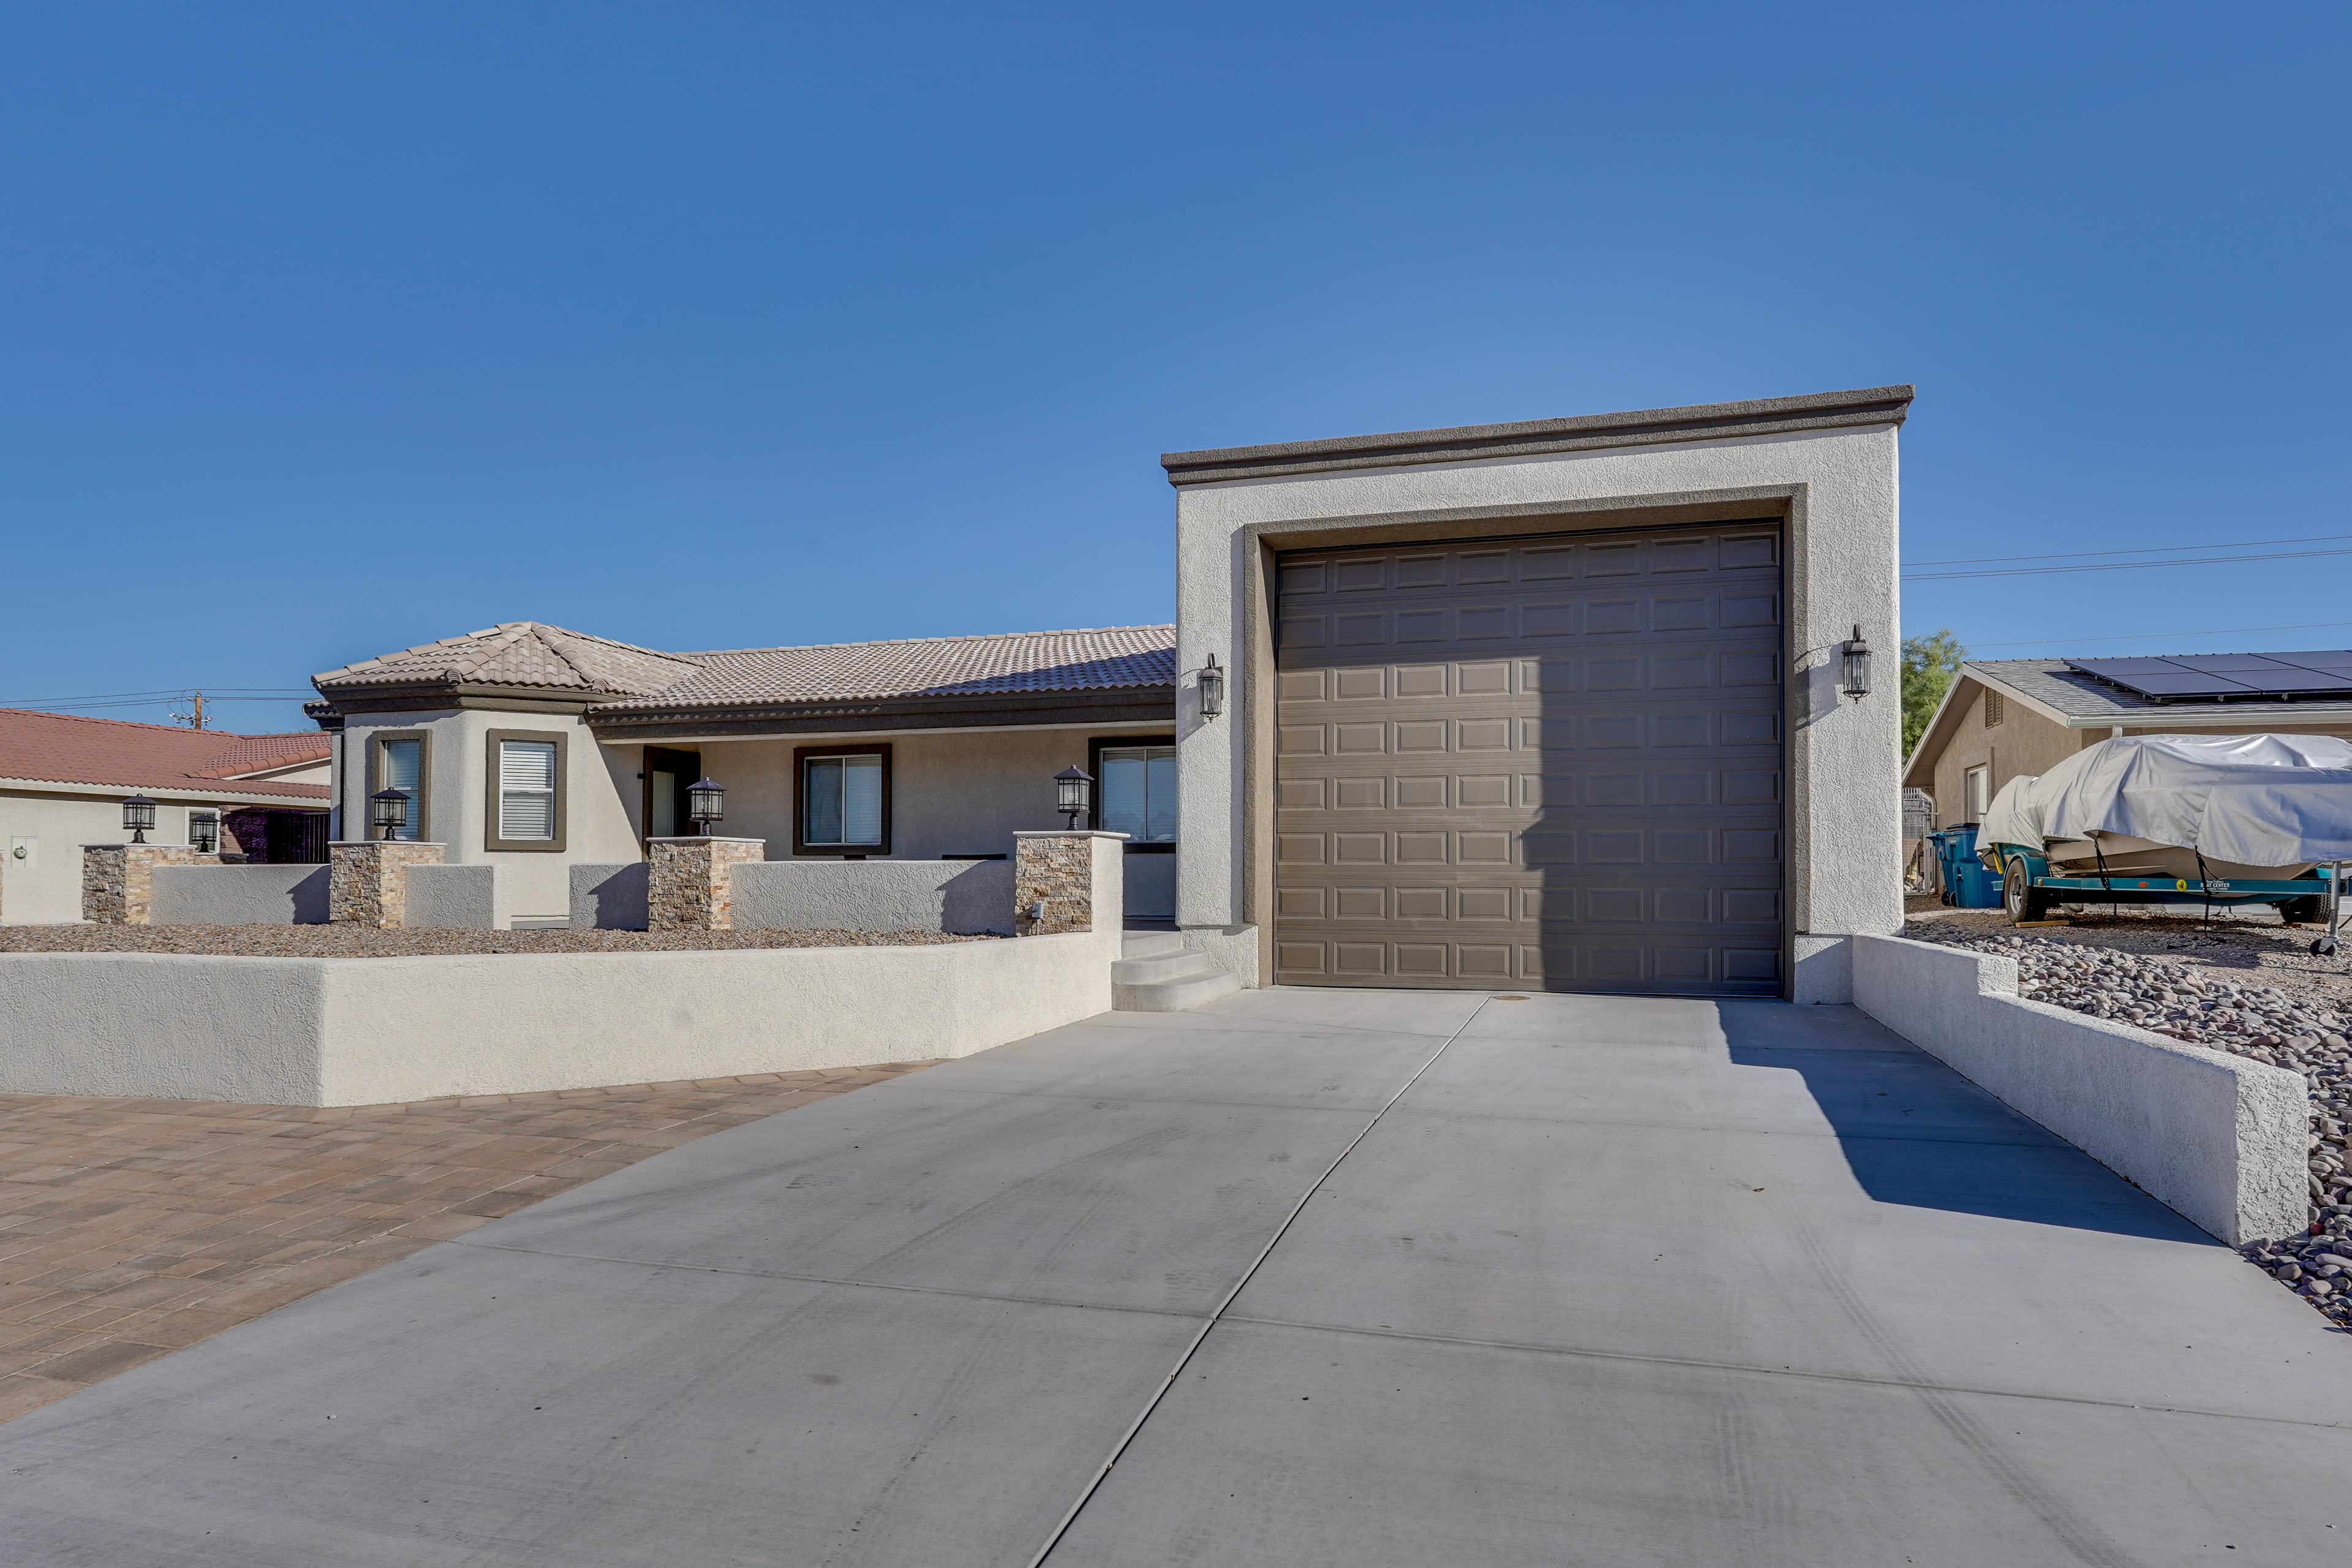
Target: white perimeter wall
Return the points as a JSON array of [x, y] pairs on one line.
[[2220, 1138], [1843, 849], [372, 1031]]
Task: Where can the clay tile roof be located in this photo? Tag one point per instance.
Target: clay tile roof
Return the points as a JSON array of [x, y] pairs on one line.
[[66, 748], [1093, 659], [518, 653]]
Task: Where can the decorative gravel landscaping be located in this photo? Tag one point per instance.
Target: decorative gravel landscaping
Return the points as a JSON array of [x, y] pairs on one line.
[[364, 942], [2202, 1004]]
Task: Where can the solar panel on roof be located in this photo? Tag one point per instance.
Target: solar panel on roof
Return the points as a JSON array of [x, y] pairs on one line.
[[2225, 677]]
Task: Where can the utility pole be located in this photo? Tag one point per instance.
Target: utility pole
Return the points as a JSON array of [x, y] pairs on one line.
[[195, 720]]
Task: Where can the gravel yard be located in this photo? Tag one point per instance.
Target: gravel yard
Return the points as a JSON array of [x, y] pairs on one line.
[[2244, 986], [359, 942]]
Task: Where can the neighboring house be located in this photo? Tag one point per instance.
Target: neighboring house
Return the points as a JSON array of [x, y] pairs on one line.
[[1548, 705], [2006, 717], [63, 779], [535, 748]]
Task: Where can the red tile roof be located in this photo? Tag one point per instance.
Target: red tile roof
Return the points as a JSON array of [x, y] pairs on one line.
[[66, 748]]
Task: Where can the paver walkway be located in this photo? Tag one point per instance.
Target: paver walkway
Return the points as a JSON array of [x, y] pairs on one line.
[[1299, 1278], [130, 1228]]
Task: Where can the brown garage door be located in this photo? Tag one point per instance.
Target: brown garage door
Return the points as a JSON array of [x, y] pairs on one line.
[[1550, 761]]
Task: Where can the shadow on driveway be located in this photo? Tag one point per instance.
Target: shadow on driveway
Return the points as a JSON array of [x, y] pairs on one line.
[[1916, 1132]]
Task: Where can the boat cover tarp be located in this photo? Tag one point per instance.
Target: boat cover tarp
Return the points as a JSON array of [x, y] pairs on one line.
[[2259, 800]]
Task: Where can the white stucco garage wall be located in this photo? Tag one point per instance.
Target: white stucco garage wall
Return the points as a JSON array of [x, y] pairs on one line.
[[1838, 487], [2220, 1138]]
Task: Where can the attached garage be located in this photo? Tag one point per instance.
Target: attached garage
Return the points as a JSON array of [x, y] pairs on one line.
[[1553, 705], [1553, 761]]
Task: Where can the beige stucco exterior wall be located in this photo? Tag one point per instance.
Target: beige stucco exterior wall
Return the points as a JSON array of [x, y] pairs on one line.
[[961, 794], [600, 795], [43, 885], [2023, 742]]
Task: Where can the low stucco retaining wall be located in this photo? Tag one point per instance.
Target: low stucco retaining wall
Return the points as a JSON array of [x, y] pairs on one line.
[[961, 896], [238, 896], [2220, 1139], [370, 1031]]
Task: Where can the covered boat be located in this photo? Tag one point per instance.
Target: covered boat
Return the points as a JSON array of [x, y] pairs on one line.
[[2257, 807]]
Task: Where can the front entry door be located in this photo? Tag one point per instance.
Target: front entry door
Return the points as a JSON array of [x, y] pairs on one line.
[[668, 776]]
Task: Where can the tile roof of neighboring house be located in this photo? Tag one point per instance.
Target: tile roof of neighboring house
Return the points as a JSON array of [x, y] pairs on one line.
[[1100, 659], [518, 653], [2049, 680], [64, 748]]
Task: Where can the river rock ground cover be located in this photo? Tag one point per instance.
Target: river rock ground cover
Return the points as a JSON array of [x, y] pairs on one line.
[[2214, 989]]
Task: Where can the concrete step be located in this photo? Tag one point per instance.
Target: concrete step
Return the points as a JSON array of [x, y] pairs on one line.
[[1151, 943], [1174, 995], [1178, 966]]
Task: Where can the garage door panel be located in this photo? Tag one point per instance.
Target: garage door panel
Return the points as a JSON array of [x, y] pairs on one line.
[[1629, 838]]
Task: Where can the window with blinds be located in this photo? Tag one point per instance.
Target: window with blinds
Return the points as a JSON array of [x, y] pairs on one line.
[[526, 789], [1139, 792], [841, 801], [400, 762]]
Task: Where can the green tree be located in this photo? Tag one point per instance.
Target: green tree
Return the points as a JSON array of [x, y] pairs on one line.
[[1929, 665]]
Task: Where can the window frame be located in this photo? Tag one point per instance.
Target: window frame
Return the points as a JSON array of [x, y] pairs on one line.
[[1969, 791], [802, 757], [376, 778], [1096, 746], [493, 743]]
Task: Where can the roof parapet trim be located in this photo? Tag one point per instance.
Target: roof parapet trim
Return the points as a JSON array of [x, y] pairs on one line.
[[1536, 437]]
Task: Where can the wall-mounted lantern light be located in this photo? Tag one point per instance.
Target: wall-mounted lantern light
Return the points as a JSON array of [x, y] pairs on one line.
[[1857, 666], [1075, 788], [1213, 689], [388, 812], [706, 803], [138, 816], [203, 831]]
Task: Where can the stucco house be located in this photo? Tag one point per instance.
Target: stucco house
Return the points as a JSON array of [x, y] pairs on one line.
[[1563, 704], [2007, 717], [63, 778], [535, 748]]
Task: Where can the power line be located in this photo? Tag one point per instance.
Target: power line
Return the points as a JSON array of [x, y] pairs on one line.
[[2152, 550], [2118, 566], [2142, 637]]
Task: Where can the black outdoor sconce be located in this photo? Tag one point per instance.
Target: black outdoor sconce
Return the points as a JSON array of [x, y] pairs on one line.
[[705, 803], [203, 831], [138, 816], [388, 812], [1211, 682], [1857, 666], [1076, 789]]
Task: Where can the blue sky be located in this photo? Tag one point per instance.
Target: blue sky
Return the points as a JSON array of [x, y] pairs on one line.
[[329, 329]]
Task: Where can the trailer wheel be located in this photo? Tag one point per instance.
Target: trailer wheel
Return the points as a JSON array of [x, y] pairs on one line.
[[2024, 901], [2304, 911]]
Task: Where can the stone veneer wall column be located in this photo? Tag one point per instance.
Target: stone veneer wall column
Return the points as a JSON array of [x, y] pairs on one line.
[[691, 885], [118, 880], [1055, 869], [367, 881]]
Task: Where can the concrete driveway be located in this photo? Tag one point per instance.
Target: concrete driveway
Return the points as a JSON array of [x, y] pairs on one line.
[[1343, 1277]]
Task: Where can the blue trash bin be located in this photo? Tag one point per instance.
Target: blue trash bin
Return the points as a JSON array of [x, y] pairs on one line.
[[1969, 883]]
